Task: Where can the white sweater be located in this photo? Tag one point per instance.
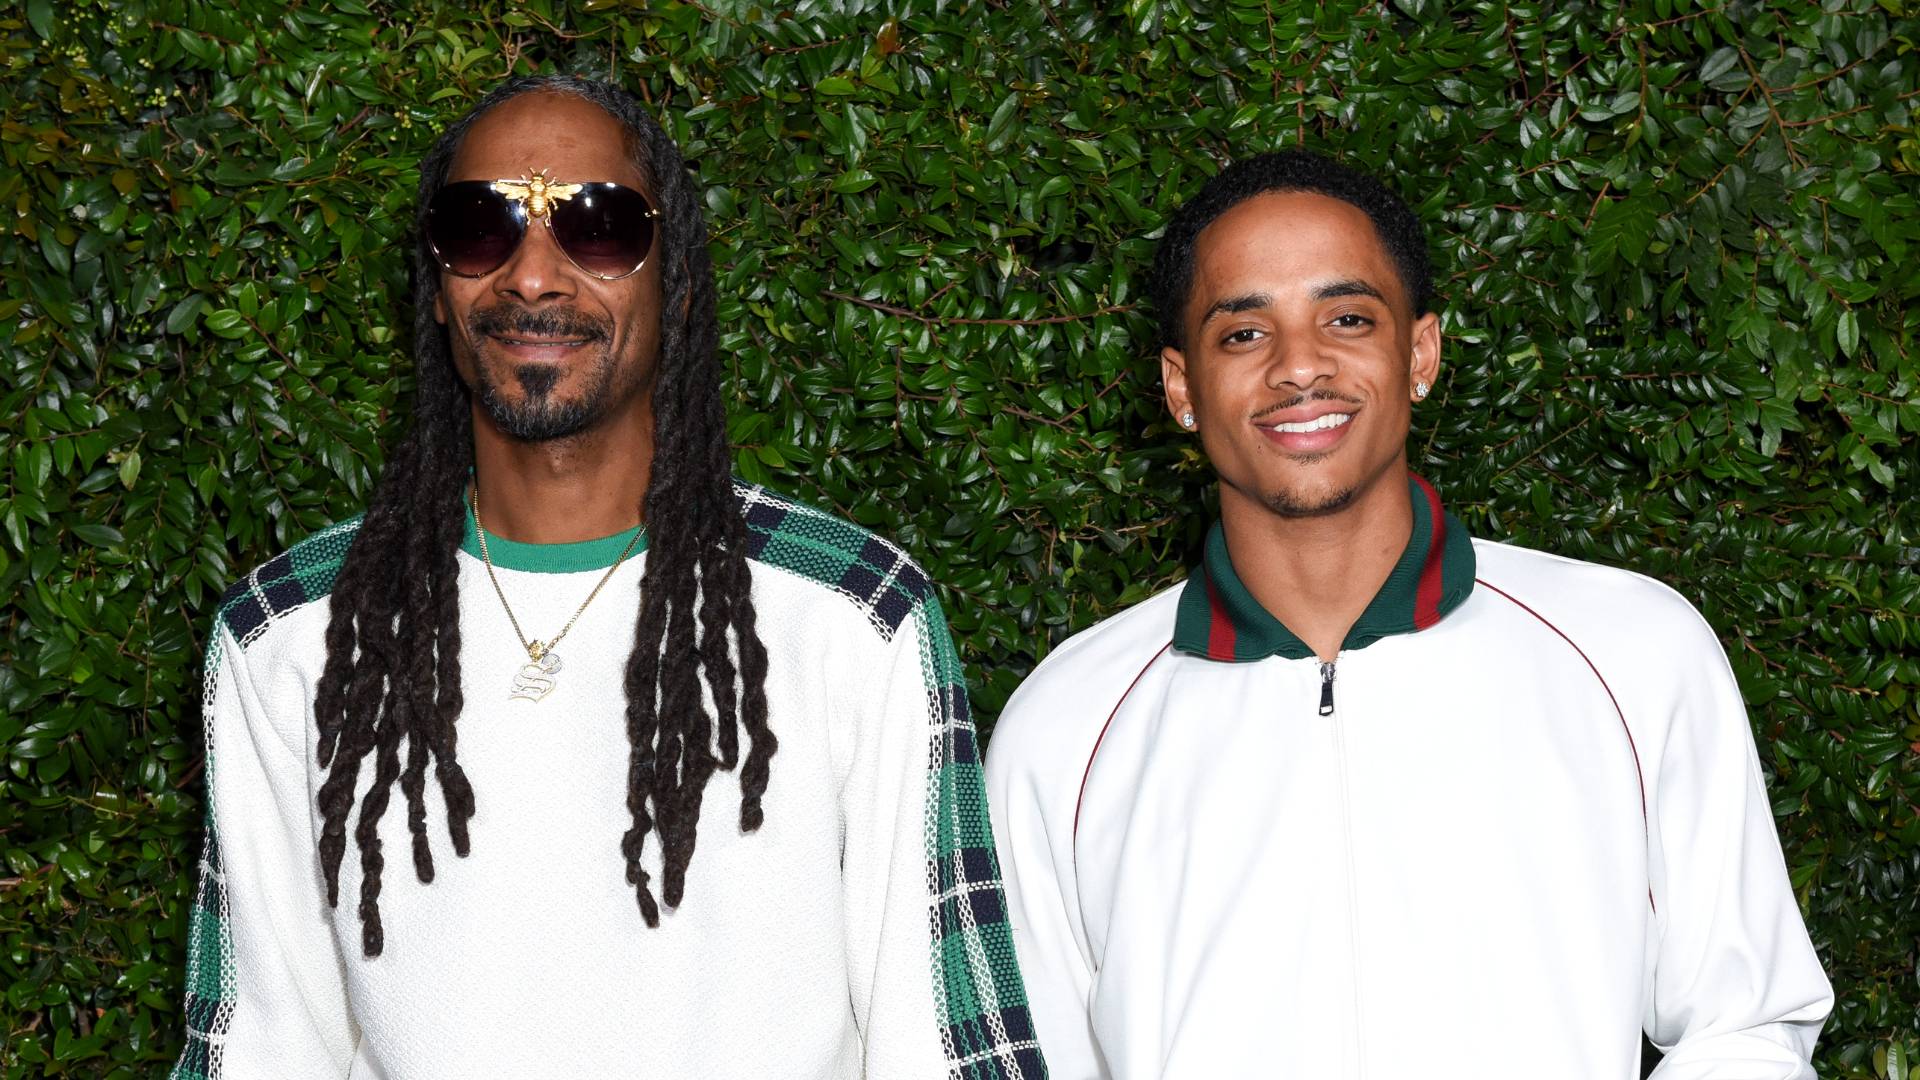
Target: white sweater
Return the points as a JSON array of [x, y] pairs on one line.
[[1500, 845], [858, 933]]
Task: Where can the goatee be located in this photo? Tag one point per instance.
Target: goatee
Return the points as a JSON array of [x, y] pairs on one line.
[[1290, 504], [538, 415]]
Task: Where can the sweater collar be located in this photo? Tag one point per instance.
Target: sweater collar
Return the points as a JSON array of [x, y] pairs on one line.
[[1220, 620], [570, 558]]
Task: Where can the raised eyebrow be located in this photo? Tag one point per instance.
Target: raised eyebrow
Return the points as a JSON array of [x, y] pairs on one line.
[[1333, 290], [1233, 305]]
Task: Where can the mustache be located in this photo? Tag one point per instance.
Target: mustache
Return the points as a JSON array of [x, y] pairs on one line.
[[512, 320], [1302, 399]]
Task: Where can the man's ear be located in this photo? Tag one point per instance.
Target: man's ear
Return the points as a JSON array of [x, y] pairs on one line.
[[440, 307], [1173, 382], [1426, 351]]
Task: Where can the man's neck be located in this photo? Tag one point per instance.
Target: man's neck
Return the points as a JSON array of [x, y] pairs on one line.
[[578, 488], [1318, 574]]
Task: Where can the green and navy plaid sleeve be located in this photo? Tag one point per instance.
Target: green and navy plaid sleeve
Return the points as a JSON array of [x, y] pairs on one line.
[[301, 576], [210, 990], [988, 1031]]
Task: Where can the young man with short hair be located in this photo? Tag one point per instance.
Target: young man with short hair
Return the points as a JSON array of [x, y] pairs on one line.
[[1367, 797], [565, 493]]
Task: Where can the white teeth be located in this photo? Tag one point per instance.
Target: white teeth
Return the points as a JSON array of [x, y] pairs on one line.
[[1330, 420]]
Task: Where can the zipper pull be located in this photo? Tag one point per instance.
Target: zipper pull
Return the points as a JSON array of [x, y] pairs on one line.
[[1326, 689]]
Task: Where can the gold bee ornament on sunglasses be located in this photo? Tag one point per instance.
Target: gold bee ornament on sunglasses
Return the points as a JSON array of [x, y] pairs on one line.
[[538, 192], [475, 226]]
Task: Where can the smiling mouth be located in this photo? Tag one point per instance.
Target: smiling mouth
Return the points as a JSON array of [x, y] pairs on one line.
[[1307, 437], [1319, 423], [539, 343]]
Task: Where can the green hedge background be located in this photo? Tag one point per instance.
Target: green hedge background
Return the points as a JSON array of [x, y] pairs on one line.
[[1676, 243]]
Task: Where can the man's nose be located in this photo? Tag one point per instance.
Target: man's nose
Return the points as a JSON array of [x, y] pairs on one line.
[[1300, 358], [538, 271]]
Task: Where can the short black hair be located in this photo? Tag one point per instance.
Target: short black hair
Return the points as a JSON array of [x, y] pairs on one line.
[[1288, 170]]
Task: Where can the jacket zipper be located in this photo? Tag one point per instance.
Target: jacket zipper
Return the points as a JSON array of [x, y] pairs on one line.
[[1346, 831]]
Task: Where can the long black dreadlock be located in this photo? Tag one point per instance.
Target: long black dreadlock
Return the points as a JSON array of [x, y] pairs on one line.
[[391, 685]]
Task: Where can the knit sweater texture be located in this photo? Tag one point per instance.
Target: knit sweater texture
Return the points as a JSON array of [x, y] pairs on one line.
[[860, 932]]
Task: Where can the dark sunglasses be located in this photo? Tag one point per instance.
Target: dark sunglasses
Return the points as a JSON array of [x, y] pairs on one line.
[[605, 229]]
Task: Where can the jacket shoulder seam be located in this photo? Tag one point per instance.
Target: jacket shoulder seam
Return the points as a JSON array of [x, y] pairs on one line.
[[869, 571], [303, 574]]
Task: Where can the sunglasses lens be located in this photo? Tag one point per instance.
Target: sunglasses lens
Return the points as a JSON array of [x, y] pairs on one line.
[[605, 229], [471, 228]]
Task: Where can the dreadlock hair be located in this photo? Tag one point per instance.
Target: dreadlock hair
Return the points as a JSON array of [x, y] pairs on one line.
[[1171, 280], [391, 684]]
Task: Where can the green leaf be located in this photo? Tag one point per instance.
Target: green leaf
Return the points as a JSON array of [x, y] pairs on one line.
[[40, 17], [56, 253], [1622, 228], [1000, 128], [185, 313], [853, 181], [39, 466], [228, 323], [105, 536], [1847, 332], [1718, 64], [75, 866]]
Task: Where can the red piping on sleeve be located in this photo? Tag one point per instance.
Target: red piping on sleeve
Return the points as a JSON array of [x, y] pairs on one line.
[[1095, 752], [1638, 773]]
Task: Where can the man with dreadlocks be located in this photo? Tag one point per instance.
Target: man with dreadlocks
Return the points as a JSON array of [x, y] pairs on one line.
[[561, 607]]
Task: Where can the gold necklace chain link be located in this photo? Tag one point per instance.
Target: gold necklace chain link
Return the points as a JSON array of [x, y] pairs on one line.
[[536, 648]]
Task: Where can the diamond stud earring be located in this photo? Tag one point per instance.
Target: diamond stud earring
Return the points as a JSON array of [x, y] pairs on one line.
[[1186, 420], [1420, 389]]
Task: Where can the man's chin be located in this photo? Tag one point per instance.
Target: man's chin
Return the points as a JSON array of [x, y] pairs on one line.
[[1308, 502], [541, 421]]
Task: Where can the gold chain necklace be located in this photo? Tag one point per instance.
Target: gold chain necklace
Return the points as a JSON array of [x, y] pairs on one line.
[[535, 679]]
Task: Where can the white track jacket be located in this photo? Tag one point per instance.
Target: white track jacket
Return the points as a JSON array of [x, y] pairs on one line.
[[1519, 821]]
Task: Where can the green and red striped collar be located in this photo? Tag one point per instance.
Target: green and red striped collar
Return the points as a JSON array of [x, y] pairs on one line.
[[1220, 620]]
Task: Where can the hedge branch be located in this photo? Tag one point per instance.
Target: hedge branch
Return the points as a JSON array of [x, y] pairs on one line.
[[930, 320]]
